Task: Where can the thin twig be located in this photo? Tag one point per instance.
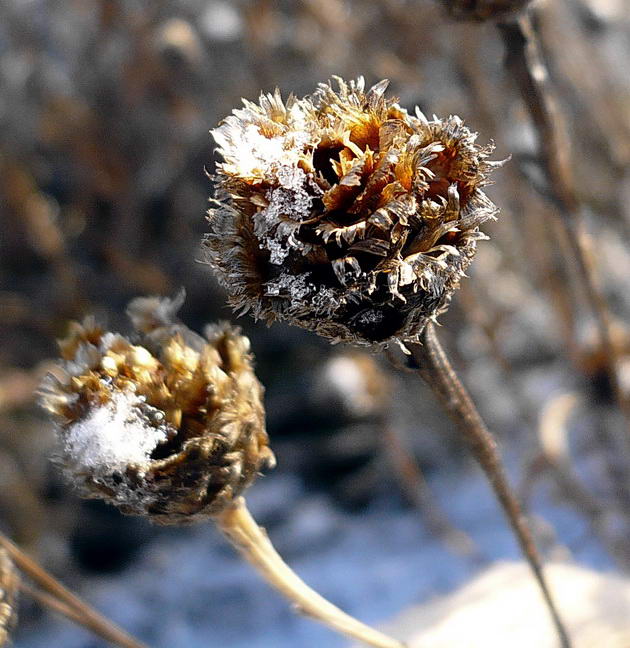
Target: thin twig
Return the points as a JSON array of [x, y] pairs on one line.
[[253, 544], [434, 367], [84, 614], [554, 444], [49, 601], [416, 488], [527, 68], [555, 455]]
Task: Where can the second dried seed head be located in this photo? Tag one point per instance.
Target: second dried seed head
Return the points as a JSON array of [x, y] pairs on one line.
[[169, 425], [344, 214]]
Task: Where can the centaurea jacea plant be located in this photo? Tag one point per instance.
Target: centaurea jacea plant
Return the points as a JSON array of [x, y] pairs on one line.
[[346, 215], [171, 426]]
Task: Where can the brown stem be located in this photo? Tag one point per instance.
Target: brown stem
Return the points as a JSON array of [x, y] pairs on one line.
[[253, 544], [527, 67], [431, 363], [48, 601], [417, 490], [83, 613]]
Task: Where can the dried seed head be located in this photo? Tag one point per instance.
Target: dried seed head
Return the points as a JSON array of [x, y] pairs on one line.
[[171, 427], [343, 214], [9, 585], [480, 10]]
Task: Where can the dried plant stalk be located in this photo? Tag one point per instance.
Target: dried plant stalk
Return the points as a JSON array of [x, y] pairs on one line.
[[9, 585], [416, 488], [555, 457], [253, 544], [51, 603], [435, 369], [83, 613], [344, 214]]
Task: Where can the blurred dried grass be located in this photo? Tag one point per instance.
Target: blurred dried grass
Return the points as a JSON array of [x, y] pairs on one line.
[[104, 112]]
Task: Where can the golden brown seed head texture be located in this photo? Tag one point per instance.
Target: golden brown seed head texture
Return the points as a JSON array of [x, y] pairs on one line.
[[344, 214], [9, 585], [170, 425]]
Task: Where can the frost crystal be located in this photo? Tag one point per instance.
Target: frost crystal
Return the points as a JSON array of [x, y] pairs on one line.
[[289, 205], [113, 436]]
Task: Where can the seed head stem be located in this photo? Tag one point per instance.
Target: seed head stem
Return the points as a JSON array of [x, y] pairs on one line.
[[433, 366], [82, 613], [252, 543]]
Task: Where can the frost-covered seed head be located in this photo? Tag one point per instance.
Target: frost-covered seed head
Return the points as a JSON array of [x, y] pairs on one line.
[[344, 214], [9, 586], [480, 10], [171, 427]]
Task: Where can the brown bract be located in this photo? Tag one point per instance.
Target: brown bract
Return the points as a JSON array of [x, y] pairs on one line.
[[344, 214], [171, 427], [9, 585]]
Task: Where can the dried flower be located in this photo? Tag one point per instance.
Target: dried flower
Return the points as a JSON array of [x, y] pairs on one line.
[[172, 427], [481, 10], [343, 214], [9, 585]]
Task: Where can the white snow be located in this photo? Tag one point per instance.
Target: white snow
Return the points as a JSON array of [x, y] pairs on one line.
[[112, 436], [256, 153]]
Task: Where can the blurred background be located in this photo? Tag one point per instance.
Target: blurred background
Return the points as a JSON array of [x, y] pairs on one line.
[[105, 108]]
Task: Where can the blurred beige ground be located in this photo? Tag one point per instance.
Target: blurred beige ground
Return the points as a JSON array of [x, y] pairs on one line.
[[502, 608]]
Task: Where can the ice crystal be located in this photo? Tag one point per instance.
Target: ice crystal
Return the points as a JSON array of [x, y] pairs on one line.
[[114, 435]]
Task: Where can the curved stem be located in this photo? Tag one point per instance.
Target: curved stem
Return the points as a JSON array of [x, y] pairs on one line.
[[81, 612], [252, 543], [433, 366]]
